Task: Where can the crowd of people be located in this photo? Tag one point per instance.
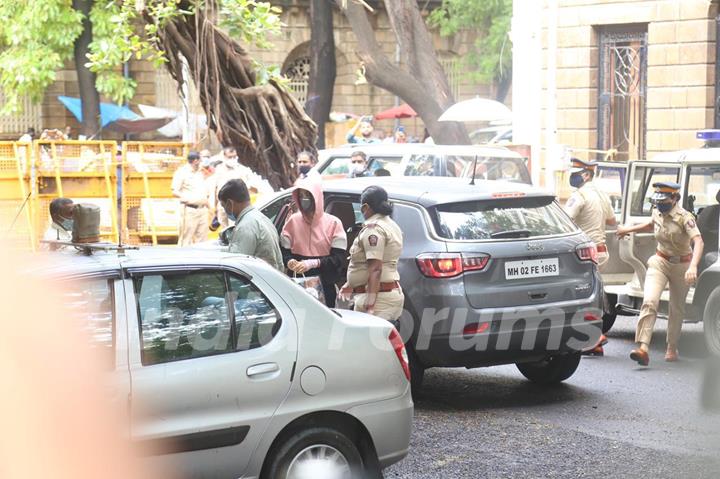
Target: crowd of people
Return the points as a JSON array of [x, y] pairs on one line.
[[216, 192]]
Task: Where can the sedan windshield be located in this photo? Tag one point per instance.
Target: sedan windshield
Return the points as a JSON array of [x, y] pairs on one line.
[[502, 218]]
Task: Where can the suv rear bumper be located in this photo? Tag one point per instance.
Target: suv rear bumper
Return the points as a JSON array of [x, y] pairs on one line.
[[523, 342], [511, 335]]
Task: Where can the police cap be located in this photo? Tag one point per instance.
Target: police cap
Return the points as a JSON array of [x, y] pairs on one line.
[[578, 166], [664, 190]]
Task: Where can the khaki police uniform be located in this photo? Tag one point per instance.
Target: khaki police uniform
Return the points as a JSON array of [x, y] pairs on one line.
[[380, 238], [590, 208], [191, 187], [674, 233]]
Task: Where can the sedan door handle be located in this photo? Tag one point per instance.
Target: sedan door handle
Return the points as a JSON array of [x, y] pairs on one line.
[[265, 368]]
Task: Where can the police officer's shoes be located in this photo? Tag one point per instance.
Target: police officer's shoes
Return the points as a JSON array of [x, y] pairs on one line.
[[671, 355], [640, 356]]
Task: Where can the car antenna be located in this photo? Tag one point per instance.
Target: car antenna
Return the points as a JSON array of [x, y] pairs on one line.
[[472, 181]]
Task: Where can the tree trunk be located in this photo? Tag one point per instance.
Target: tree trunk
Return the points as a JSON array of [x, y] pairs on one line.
[[322, 65], [264, 122], [503, 85], [422, 83], [89, 96]]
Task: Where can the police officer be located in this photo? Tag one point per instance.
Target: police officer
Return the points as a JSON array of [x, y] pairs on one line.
[[674, 262], [372, 274], [190, 186], [591, 210]]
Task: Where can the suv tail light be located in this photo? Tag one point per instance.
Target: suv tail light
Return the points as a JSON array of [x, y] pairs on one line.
[[587, 252], [399, 348], [448, 265]]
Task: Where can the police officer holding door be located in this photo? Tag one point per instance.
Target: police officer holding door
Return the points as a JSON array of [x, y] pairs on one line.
[[679, 250], [591, 210]]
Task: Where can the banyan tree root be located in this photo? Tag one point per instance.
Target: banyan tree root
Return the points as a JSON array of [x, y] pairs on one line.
[[266, 124]]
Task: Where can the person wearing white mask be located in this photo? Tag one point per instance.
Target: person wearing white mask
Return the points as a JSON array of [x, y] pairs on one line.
[[231, 169], [358, 165]]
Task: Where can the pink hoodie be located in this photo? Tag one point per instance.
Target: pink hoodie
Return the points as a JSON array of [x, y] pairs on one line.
[[317, 238]]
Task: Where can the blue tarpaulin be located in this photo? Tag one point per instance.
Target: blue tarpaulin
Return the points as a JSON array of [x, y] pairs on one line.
[[109, 112]]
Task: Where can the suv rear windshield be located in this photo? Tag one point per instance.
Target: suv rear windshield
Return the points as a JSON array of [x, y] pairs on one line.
[[502, 218]]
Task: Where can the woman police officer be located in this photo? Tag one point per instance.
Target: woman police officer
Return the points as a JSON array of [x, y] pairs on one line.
[[372, 274], [674, 262]]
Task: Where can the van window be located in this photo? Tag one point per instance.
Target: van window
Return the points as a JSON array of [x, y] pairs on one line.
[[182, 316], [489, 168], [502, 219], [641, 186], [703, 184]]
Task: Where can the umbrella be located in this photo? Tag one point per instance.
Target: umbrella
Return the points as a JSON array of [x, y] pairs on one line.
[[178, 125], [477, 109], [402, 111], [117, 118], [109, 112]]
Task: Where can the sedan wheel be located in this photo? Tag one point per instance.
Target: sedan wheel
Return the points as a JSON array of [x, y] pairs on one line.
[[319, 460], [316, 453], [552, 370]]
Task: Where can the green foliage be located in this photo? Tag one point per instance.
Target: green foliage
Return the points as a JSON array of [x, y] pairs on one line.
[[491, 57], [37, 38]]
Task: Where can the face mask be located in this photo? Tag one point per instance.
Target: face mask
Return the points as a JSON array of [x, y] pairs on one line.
[[67, 224], [358, 168], [228, 211], [664, 207], [305, 204], [231, 161], [576, 180], [304, 169]]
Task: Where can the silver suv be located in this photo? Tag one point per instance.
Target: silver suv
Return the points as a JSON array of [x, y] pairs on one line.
[[493, 273], [232, 370]]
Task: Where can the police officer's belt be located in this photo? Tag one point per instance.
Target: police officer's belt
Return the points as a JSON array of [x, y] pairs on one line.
[[384, 287], [674, 259]]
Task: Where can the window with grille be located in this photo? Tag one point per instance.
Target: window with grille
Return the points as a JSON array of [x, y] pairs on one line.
[[623, 87], [298, 72], [449, 62], [17, 124]]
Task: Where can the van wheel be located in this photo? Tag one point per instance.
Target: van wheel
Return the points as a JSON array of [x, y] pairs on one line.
[[609, 312], [552, 370], [315, 450], [711, 323]]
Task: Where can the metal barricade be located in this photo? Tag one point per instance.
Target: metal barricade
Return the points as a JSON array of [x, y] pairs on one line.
[[150, 212], [84, 171], [17, 229]]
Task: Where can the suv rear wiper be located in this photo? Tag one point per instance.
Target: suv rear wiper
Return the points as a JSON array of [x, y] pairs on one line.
[[511, 234]]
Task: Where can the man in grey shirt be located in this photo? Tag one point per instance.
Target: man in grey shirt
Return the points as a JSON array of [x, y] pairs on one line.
[[254, 233]]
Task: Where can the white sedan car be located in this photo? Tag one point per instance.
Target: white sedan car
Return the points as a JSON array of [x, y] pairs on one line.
[[233, 370]]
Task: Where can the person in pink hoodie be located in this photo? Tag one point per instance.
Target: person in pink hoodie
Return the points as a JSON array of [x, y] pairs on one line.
[[313, 242]]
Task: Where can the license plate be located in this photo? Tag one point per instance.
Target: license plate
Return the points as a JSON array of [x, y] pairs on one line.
[[535, 268]]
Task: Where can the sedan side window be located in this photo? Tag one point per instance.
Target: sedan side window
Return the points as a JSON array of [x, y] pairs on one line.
[[256, 320], [92, 300], [182, 316]]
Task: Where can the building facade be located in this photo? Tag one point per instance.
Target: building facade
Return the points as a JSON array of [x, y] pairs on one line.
[[635, 77], [290, 52]]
